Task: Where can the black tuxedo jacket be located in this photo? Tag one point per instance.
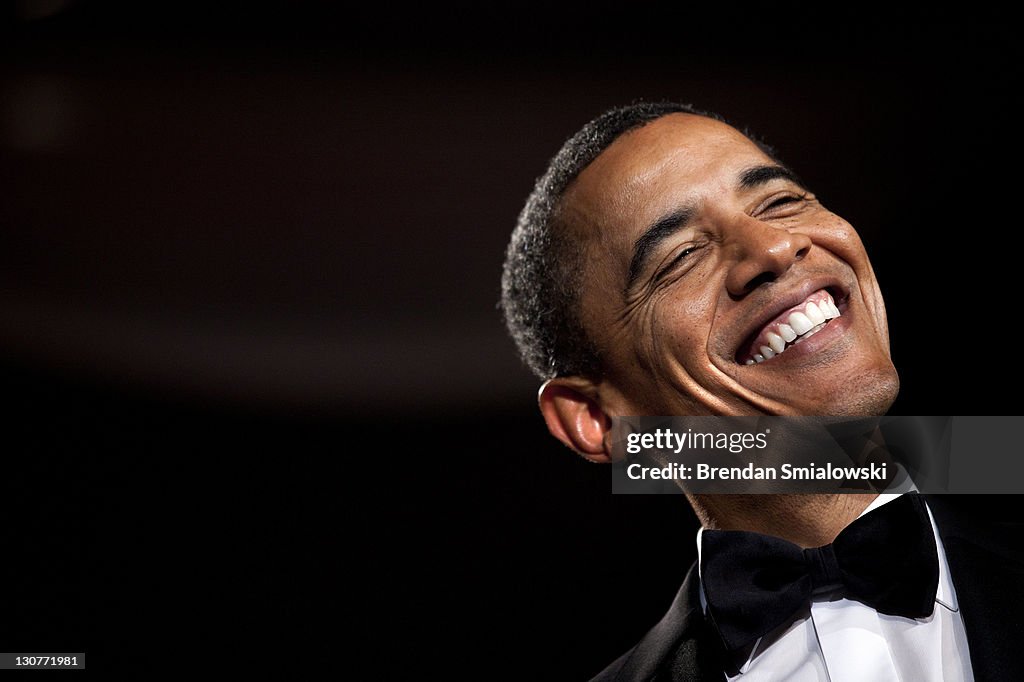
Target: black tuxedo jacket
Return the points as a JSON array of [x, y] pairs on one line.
[[982, 537]]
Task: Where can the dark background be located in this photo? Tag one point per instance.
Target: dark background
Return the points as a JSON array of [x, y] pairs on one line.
[[259, 397]]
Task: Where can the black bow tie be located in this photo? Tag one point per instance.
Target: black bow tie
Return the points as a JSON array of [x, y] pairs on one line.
[[754, 583]]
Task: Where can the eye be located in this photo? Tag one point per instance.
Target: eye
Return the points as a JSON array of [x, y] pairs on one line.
[[679, 258], [783, 201], [683, 254]]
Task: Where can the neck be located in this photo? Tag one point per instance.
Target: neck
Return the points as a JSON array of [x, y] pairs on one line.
[[805, 520]]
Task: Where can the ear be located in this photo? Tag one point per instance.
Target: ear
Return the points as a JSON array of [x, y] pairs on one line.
[[574, 417]]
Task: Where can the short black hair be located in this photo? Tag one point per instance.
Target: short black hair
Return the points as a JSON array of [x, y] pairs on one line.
[[541, 279]]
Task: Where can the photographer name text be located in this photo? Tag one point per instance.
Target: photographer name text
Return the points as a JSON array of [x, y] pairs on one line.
[[785, 472]]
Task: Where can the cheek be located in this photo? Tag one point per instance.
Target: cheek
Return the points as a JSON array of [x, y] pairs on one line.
[[682, 325], [839, 237]]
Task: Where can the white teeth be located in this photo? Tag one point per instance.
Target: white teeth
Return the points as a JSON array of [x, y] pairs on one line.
[[800, 323], [814, 313], [811, 332]]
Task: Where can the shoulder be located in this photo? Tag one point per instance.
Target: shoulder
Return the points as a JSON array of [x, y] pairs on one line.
[[993, 521]]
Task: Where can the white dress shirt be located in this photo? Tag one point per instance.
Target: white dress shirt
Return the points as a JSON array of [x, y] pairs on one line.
[[839, 640]]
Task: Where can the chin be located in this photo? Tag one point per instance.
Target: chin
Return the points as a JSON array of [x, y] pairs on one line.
[[867, 393]]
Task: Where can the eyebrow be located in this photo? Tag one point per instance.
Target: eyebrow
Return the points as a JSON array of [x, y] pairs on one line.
[[654, 235], [668, 225], [762, 175]]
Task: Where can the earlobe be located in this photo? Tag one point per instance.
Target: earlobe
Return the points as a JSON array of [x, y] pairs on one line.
[[575, 418]]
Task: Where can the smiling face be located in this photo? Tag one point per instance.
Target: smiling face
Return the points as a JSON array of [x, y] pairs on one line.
[[715, 284]]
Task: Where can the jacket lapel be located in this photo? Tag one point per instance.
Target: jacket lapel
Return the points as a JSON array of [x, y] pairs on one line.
[[679, 647]]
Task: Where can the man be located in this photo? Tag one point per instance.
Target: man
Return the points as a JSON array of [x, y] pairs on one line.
[[667, 264]]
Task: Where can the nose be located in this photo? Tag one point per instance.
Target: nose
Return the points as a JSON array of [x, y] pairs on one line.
[[765, 252]]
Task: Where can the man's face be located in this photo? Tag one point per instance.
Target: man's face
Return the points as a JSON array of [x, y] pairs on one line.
[[700, 252]]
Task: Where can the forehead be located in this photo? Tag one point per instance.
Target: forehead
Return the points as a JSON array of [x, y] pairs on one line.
[[679, 157]]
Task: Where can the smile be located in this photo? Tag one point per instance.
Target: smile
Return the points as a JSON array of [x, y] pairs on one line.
[[794, 326]]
